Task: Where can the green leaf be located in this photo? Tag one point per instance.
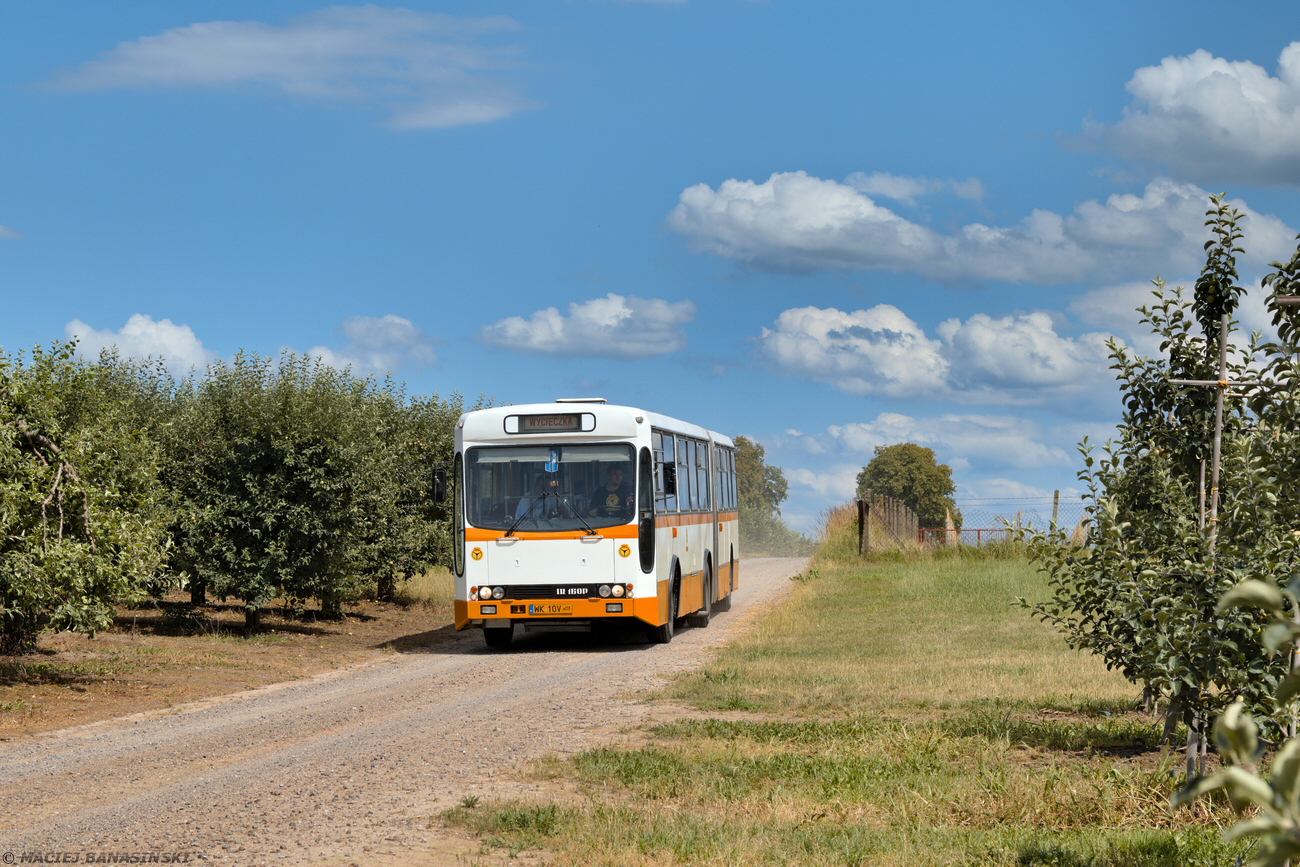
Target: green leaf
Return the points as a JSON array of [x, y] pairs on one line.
[[1286, 774], [1197, 787], [1251, 593], [1288, 689], [1279, 635], [1236, 735], [1250, 828], [1245, 788]]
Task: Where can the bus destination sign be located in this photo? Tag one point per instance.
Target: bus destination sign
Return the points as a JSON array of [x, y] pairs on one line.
[[547, 423]]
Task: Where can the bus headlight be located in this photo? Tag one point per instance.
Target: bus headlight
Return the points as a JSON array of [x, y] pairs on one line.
[[485, 593], [498, 592], [618, 591], [604, 591]]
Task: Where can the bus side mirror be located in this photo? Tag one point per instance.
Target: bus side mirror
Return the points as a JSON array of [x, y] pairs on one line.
[[670, 480], [440, 486]]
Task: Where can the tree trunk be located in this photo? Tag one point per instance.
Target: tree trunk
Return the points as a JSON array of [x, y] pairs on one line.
[[198, 593], [330, 607], [386, 588], [1173, 716], [18, 634], [252, 618]]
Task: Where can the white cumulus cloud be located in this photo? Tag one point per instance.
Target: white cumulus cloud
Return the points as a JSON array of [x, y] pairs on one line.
[[141, 337], [1214, 120], [377, 346], [835, 485], [1019, 354], [881, 351], [960, 440], [425, 70], [611, 327], [796, 222], [1114, 307], [906, 189], [876, 351]]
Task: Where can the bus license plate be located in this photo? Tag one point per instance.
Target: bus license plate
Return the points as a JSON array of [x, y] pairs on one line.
[[553, 608]]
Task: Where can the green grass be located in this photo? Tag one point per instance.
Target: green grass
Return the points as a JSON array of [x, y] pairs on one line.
[[900, 713], [12, 673], [909, 633]]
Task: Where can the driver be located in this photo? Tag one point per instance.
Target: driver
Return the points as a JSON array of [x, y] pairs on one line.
[[526, 503], [613, 499]]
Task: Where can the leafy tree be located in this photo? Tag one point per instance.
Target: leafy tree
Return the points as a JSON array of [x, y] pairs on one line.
[[81, 524], [1142, 593], [910, 473], [402, 532], [296, 479], [268, 468], [1275, 802], [761, 489]]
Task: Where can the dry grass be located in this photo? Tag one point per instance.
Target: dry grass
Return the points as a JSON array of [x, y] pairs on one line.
[[901, 713], [921, 633], [434, 589]]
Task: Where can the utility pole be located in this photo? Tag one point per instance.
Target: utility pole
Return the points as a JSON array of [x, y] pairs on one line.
[[1222, 384], [1196, 740]]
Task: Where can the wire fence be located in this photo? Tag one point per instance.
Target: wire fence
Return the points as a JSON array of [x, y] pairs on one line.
[[986, 521]]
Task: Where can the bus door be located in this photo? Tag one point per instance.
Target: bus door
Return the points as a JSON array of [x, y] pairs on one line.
[[716, 505]]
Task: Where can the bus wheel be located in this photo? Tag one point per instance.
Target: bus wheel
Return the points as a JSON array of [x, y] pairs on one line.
[[701, 618], [499, 638], [664, 634]]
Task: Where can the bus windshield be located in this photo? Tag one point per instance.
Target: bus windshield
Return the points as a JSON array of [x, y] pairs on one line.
[[550, 487]]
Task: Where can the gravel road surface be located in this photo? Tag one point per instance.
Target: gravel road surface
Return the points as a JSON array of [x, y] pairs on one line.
[[347, 767]]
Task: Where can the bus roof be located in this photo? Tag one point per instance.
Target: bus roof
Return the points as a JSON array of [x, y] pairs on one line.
[[611, 421]]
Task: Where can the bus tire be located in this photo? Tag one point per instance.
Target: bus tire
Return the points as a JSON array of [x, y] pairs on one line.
[[702, 617], [499, 639], [664, 633]]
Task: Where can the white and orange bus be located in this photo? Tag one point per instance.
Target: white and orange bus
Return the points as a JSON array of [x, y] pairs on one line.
[[577, 512]]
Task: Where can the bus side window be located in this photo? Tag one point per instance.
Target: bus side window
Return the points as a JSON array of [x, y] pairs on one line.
[[685, 482], [665, 487], [732, 499], [702, 474]]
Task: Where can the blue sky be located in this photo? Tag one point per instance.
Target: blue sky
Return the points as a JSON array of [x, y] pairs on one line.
[[826, 226]]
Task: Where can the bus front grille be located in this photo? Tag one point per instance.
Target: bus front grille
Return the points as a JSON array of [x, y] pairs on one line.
[[552, 591]]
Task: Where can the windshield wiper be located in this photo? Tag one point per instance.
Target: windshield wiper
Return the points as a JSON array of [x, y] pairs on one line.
[[521, 518], [574, 513], [564, 500]]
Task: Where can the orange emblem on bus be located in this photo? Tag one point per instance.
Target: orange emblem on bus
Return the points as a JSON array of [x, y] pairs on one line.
[[477, 553], [625, 550]]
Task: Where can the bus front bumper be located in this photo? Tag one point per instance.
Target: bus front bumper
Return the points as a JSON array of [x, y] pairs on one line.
[[521, 611]]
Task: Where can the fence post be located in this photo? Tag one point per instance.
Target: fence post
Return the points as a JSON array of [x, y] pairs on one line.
[[871, 502], [1056, 508], [862, 524]]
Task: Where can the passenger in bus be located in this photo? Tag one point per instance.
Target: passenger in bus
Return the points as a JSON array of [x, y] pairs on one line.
[[614, 499]]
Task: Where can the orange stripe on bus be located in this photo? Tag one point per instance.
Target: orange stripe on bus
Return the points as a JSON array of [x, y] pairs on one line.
[[476, 534], [699, 518]]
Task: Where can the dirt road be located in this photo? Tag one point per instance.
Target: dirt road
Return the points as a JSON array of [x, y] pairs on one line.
[[345, 768]]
